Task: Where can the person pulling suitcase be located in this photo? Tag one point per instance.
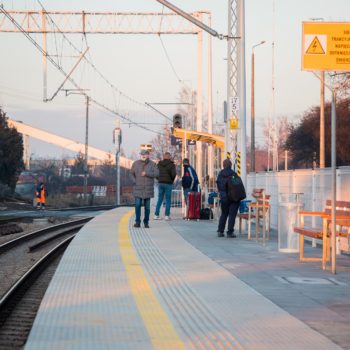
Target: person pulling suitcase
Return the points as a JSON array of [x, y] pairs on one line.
[[190, 185]]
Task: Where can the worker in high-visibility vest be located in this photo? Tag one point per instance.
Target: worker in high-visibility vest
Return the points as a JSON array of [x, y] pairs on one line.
[[41, 194]]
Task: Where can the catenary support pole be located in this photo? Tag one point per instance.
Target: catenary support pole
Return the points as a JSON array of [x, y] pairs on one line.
[[210, 106], [241, 77], [43, 28], [86, 149], [199, 160]]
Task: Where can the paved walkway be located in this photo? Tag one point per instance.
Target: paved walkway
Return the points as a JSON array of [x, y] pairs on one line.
[[178, 286]]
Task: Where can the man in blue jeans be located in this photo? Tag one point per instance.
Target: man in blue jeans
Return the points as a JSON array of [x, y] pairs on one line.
[[143, 171], [167, 174]]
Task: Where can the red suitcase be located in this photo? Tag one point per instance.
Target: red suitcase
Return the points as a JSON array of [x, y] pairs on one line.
[[194, 206]]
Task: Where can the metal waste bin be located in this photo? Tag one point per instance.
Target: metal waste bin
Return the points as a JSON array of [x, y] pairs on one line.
[[289, 207]]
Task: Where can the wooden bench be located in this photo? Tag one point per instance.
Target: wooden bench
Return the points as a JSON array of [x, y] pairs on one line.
[[323, 233], [258, 210]]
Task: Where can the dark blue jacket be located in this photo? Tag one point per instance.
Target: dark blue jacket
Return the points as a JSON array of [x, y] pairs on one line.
[[190, 178], [221, 181]]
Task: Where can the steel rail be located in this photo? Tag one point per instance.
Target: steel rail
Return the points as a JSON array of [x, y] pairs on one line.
[[8, 245]]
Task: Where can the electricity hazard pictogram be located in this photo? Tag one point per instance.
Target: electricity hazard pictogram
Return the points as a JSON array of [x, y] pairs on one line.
[[315, 47], [233, 123]]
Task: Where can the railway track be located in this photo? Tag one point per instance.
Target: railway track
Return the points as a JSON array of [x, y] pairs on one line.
[[32, 235], [27, 265], [19, 305]]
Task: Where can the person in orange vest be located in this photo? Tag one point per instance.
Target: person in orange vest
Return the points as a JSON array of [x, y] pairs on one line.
[[41, 194]]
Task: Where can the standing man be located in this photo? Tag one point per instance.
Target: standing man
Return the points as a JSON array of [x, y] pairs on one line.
[[167, 174], [143, 172], [189, 179], [229, 208]]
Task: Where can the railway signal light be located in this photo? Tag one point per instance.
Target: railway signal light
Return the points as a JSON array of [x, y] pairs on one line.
[[177, 121]]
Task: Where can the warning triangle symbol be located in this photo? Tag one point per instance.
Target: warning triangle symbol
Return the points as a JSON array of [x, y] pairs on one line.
[[315, 47]]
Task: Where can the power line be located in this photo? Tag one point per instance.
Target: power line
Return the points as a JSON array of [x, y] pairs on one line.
[[55, 64], [169, 60], [165, 50], [88, 61]]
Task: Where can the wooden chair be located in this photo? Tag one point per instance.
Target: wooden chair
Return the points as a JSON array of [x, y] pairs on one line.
[[323, 232], [258, 210]]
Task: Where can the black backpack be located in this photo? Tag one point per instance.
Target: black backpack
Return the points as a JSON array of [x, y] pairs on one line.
[[206, 214], [235, 188]]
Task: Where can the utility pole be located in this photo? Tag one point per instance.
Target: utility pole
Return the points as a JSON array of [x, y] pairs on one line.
[[86, 149], [252, 102], [86, 168], [117, 140]]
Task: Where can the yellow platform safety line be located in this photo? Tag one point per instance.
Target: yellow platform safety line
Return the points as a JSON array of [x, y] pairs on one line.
[[160, 329]]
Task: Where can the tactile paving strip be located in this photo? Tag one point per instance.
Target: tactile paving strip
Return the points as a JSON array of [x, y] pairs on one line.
[[198, 323]]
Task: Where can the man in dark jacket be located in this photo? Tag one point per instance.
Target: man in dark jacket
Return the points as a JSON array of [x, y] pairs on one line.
[[189, 179], [228, 209], [167, 174], [143, 172]]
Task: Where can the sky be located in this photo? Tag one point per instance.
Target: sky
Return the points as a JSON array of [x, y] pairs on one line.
[[143, 68]]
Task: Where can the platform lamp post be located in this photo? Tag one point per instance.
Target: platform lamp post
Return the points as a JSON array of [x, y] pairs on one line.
[[252, 107], [87, 100]]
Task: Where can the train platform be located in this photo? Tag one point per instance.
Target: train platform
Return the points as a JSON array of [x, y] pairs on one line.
[[177, 285]]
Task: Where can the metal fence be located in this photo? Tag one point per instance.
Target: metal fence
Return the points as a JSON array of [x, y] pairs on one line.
[[316, 186], [177, 204]]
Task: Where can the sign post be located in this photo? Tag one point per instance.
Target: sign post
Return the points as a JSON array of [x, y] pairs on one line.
[[326, 47]]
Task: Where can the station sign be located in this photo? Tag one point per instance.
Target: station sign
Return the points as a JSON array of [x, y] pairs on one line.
[[177, 141], [326, 46], [191, 142], [146, 147]]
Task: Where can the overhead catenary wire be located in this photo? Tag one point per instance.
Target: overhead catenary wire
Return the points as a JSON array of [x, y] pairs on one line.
[[169, 60], [181, 81], [72, 81], [90, 62], [111, 85]]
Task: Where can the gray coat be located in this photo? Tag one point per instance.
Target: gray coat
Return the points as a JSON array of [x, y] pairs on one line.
[[144, 185]]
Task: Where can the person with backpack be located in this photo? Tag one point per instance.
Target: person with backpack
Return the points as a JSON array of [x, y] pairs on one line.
[[189, 179], [231, 192], [167, 174]]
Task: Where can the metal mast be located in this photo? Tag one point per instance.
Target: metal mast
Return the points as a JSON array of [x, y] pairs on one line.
[[235, 139]]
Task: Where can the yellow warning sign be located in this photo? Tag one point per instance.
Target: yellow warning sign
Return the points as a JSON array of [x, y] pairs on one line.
[[326, 46], [315, 48], [233, 123]]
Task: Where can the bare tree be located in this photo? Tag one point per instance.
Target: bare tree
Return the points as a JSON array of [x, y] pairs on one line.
[[276, 135], [342, 81]]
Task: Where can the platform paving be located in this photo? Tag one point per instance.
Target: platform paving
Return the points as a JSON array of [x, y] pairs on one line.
[[217, 293]]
